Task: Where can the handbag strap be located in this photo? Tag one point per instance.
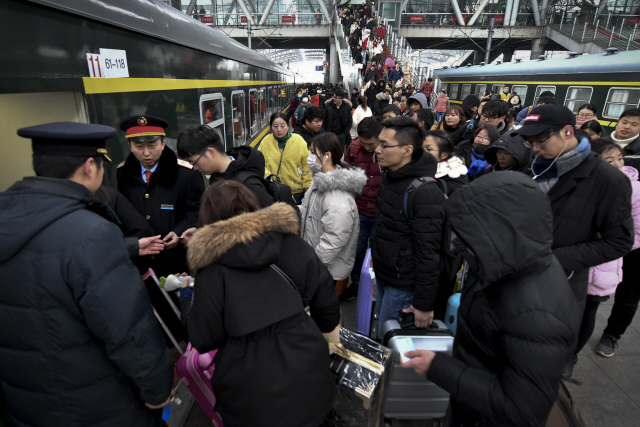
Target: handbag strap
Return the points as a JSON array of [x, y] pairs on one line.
[[280, 164], [288, 279]]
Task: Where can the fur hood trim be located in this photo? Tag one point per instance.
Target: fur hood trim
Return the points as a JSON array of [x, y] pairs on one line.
[[349, 180], [212, 241], [454, 168], [345, 100]]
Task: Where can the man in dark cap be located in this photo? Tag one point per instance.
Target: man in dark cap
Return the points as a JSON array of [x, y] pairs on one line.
[[80, 344], [164, 189], [591, 201]]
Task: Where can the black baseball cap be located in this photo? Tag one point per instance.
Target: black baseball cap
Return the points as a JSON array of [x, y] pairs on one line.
[[69, 139], [543, 118]]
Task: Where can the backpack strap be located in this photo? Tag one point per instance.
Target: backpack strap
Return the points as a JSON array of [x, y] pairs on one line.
[[407, 200], [288, 279]]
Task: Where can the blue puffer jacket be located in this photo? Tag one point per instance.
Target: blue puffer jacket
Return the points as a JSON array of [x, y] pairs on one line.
[[395, 75], [79, 343]]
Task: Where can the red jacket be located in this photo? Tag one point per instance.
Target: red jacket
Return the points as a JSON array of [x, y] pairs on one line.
[[357, 156], [315, 100], [427, 89]]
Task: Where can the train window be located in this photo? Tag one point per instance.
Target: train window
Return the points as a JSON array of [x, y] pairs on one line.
[[211, 112], [253, 107], [269, 99], [497, 89], [480, 88], [521, 91], [238, 118], [262, 105], [466, 90], [620, 99], [454, 91], [541, 89], [577, 96]]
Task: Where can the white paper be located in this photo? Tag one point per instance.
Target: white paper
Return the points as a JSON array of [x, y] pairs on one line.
[[404, 345], [114, 63]]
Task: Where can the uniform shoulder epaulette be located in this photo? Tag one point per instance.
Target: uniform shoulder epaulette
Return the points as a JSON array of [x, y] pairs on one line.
[[185, 164], [121, 164]]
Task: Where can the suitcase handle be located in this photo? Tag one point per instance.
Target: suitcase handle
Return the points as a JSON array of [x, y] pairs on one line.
[[407, 321]]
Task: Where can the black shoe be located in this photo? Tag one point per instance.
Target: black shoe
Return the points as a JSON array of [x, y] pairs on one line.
[[568, 368], [607, 345], [350, 292]]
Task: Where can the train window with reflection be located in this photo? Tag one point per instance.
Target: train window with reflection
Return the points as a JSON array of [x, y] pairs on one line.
[[480, 88], [269, 99], [577, 96], [466, 90], [541, 89], [238, 118], [521, 91], [253, 108], [454, 91], [211, 112], [620, 99], [262, 106], [497, 89]]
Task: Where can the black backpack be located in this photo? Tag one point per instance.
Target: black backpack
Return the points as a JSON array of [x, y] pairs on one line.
[[277, 190], [450, 257]]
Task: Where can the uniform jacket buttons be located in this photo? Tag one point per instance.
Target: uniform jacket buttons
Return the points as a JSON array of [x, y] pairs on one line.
[[146, 196], [148, 216]]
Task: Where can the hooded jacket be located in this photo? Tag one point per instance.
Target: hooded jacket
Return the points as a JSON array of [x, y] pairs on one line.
[[330, 220], [337, 120], [357, 156], [370, 92], [522, 154], [381, 102], [468, 103], [301, 109], [304, 133], [421, 98], [271, 366], [79, 343], [294, 159], [406, 253], [518, 322], [604, 278], [248, 169]]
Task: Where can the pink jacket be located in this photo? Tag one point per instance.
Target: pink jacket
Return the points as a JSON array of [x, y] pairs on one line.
[[604, 278]]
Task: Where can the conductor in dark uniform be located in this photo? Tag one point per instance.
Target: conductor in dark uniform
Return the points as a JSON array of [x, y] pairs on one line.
[[166, 191]]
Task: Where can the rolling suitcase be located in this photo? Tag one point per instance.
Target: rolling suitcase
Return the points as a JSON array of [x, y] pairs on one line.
[[196, 371], [409, 395], [453, 304], [366, 322]]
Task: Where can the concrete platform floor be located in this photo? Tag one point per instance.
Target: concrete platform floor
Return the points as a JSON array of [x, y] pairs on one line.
[[609, 395]]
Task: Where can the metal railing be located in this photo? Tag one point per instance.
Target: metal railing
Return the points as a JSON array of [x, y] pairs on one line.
[[440, 19], [236, 19], [351, 77]]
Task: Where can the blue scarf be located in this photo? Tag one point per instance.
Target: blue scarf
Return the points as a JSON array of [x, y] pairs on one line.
[[478, 163], [551, 170]]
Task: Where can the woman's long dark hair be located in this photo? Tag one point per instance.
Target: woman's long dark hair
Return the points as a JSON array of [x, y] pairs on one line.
[[277, 115], [328, 142], [362, 101], [225, 199]]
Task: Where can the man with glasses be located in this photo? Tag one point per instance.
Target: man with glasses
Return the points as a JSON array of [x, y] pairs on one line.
[[361, 153], [591, 201], [204, 149], [406, 242], [162, 188], [338, 119], [493, 114]]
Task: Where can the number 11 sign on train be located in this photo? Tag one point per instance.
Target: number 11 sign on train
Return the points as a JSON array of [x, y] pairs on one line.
[[110, 63]]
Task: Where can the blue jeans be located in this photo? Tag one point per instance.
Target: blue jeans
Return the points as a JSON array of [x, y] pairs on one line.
[[365, 239], [389, 302], [439, 116]]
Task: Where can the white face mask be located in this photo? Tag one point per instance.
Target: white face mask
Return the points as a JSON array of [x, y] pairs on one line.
[[313, 166], [305, 100]]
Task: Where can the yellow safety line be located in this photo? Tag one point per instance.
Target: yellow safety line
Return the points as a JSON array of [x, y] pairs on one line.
[[92, 86], [511, 82]]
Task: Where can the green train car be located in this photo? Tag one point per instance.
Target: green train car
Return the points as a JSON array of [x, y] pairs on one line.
[[100, 61], [611, 81]]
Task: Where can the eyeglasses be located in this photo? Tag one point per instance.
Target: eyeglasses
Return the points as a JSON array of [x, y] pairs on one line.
[[198, 159], [537, 144], [483, 138], [485, 117], [585, 116], [383, 147]]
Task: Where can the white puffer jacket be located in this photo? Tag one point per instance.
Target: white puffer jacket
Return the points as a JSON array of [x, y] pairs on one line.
[[330, 220]]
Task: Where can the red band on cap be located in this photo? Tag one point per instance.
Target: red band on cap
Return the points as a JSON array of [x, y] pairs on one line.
[[147, 130], [532, 118]]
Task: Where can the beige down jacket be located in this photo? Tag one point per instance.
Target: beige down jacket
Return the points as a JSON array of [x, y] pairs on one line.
[[330, 220]]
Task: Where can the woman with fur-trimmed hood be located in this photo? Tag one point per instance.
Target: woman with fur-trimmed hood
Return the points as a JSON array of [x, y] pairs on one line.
[[330, 220], [272, 362]]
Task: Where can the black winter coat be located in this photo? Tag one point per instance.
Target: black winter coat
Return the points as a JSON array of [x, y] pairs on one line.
[[170, 202], [592, 222], [337, 120], [522, 154], [371, 93], [518, 324], [406, 253], [304, 133], [248, 169], [272, 365], [79, 343]]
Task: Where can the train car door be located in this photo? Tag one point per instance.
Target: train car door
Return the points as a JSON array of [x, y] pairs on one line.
[[253, 111], [19, 110], [212, 113], [239, 118], [262, 104]]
